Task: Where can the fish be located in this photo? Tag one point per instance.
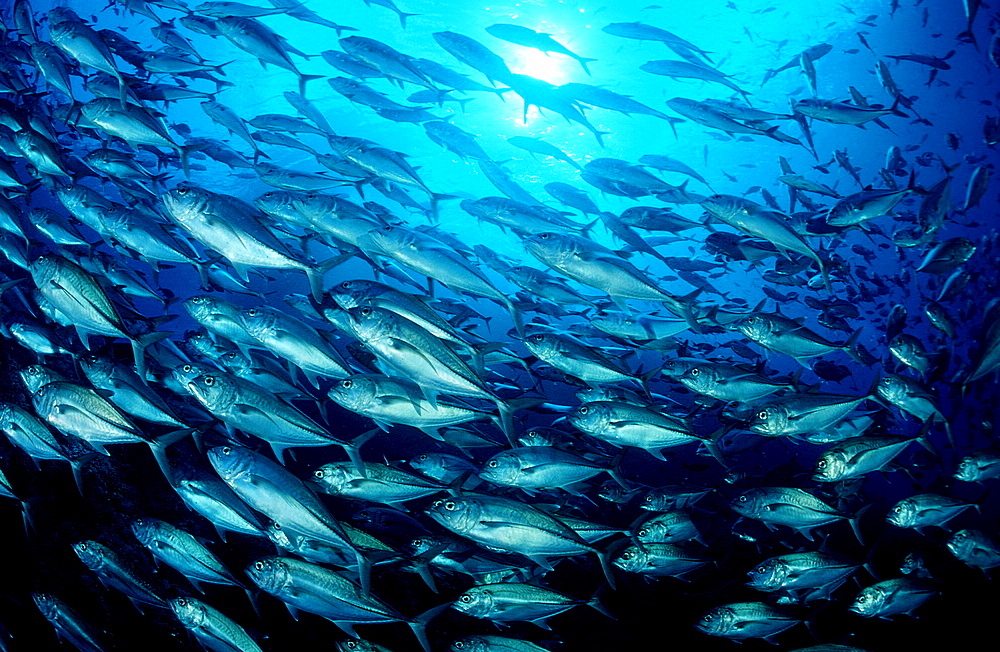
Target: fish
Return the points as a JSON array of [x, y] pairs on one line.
[[511, 602], [318, 590], [778, 333], [788, 506], [892, 597], [978, 467], [591, 264], [754, 220], [68, 623], [844, 113], [244, 406], [116, 573], [623, 424], [258, 40], [803, 575], [182, 551], [688, 70], [857, 456], [213, 629], [528, 37], [514, 526], [974, 548], [377, 483], [743, 620], [922, 510]]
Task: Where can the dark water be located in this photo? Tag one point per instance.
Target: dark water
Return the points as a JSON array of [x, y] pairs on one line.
[[946, 111]]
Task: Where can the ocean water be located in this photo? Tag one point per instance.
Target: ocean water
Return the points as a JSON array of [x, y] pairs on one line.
[[940, 137]]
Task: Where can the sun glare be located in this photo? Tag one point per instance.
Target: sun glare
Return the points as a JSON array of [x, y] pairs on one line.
[[554, 68]]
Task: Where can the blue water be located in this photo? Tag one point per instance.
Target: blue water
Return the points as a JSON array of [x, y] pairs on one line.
[[744, 39]]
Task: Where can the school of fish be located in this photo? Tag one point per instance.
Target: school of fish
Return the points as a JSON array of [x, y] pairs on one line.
[[492, 441]]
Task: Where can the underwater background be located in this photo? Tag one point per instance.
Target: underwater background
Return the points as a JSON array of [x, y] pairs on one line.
[[942, 120]]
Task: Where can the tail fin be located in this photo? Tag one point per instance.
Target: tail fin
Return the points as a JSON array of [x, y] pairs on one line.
[[139, 345], [583, 63], [894, 109], [402, 18], [302, 82], [315, 273], [419, 624], [353, 449]]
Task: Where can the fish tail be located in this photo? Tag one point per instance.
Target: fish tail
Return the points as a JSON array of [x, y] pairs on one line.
[[402, 18], [302, 82], [315, 273], [849, 346], [855, 522], [353, 449], [516, 315], [76, 465], [419, 624], [507, 421], [604, 558], [614, 469], [139, 346], [595, 603], [712, 445], [159, 446], [583, 63], [364, 572], [122, 90], [185, 152]]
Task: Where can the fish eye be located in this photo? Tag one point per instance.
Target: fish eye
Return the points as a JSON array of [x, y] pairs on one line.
[[347, 384], [862, 599], [209, 381], [493, 464], [350, 645], [387, 229], [252, 312], [226, 450], [423, 458], [450, 505], [743, 498], [84, 545], [627, 554], [318, 473], [538, 338], [583, 409], [544, 236], [821, 464], [366, 311], [182, 602], [643, 532], [466, 598], [345, 284], [762, 415], [708, 618], [695, 371], [259, 565], [182, 190], [458, 645], [277, 526], [187, 368]]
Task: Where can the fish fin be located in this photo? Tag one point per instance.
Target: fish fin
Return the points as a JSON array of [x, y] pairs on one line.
[[419, 624]]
